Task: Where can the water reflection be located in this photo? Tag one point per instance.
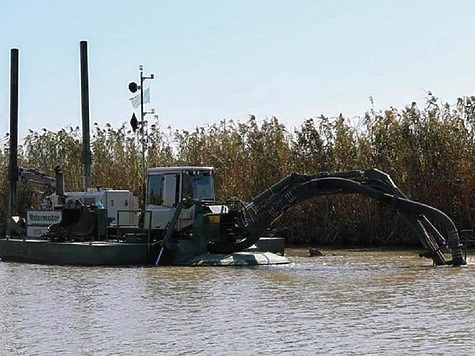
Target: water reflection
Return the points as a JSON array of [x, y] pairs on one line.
[[360, 301]]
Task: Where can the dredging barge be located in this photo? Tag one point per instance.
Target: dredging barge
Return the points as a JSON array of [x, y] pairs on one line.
[[181, 222]]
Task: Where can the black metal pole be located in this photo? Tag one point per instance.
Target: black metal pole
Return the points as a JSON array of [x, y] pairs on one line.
[[13, 163], [86, 140], [142, 118], [142, 133]]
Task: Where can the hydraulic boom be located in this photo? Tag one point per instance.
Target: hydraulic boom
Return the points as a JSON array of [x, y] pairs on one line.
[[255, 217]]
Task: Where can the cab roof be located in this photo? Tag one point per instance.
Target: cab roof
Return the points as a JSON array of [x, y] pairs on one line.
[[178, 169]]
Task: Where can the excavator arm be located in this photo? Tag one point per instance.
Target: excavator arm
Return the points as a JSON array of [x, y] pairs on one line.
[[44, 185], [266, 207]]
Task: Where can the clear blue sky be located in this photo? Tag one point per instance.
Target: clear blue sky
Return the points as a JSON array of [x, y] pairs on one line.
[[229, 59]]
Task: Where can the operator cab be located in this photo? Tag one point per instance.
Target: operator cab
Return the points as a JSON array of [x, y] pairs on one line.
[[167, 186]]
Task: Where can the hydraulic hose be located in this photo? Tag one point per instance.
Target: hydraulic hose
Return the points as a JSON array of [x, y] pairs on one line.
[[403, 204]]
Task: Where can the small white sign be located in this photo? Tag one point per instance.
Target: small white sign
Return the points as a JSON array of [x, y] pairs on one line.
[[43, 217]]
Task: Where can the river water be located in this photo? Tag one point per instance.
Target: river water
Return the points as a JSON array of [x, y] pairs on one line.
[[348, 302]]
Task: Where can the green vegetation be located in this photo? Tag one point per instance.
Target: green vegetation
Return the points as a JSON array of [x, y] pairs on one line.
[[429, 152]]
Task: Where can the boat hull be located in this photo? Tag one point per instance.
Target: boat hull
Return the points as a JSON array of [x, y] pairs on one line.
[[77, 253], [101, 253]]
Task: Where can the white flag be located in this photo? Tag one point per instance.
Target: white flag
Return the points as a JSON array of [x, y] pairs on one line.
[[135, 101], [146, 95]]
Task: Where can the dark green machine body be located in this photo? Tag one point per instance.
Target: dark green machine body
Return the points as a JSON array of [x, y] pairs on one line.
[[233, 226]]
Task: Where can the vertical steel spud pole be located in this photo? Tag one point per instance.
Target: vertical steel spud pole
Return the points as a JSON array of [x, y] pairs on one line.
[[86, 139], [13, 163]]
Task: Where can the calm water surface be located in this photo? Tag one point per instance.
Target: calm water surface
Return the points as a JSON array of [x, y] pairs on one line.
[[348, 302]]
